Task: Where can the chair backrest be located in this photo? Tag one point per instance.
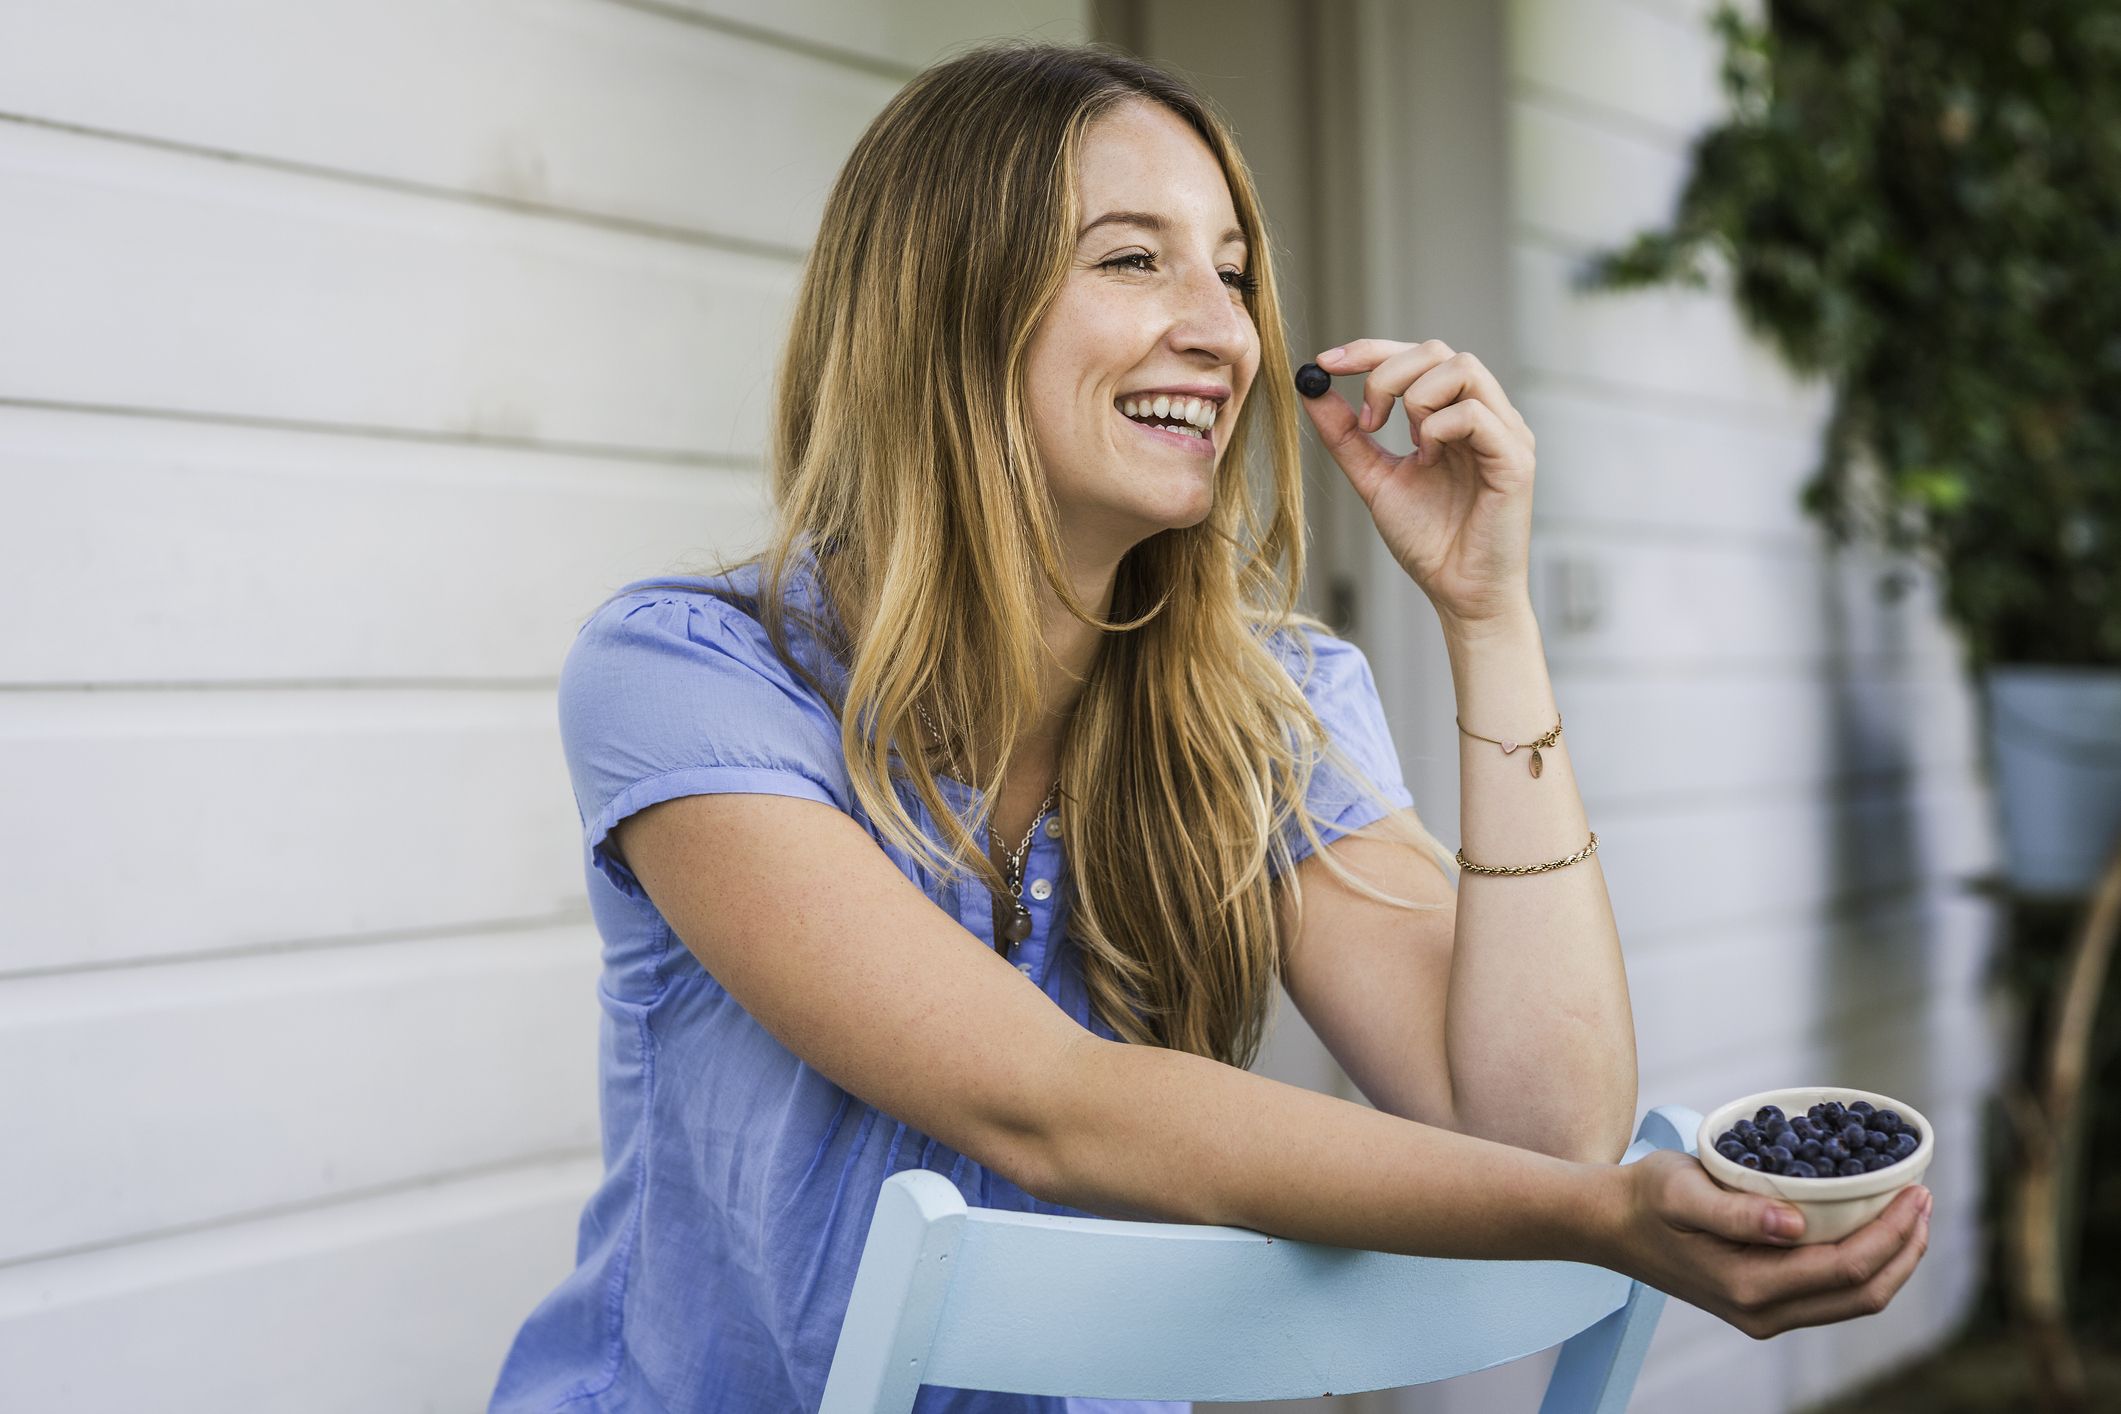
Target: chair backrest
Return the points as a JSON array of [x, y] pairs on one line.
[[976, 1298]]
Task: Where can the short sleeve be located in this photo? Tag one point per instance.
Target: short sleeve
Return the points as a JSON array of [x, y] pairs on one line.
[[670, 694], [1343, 693]]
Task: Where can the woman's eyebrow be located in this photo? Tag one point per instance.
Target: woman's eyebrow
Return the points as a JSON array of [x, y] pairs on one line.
[[1150, 221]]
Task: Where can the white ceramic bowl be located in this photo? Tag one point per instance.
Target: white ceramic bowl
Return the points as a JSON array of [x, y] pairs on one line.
[[1832, 1207]]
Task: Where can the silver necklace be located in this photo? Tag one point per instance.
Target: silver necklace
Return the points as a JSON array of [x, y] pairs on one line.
[[1017, 926]]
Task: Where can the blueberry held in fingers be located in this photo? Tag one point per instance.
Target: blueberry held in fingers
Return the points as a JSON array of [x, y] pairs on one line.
[[1311, 380]]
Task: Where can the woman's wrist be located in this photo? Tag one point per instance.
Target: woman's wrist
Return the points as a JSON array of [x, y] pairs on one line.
[[1608, 1208], [1512, 619]]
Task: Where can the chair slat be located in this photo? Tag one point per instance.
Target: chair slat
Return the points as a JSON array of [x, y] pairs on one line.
[[1028, 1303]]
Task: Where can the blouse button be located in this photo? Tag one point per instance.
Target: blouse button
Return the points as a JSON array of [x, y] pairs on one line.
[[1024, 967], [1041, 889], [1053, 827]]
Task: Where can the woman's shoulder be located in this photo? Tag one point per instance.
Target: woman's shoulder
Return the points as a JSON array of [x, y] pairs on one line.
[[702, 615], [1320, 660]]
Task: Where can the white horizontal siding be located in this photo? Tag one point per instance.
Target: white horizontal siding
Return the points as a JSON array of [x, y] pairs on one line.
[[603, 110], [1641, 65], [402, 1300], [355, 353], [909, 33], [250, 1084], [1633, 464], [168, 824], [264, 556], [1733, 859], [1665, 741], [170, 283], [1671, 343], [1683, 605]]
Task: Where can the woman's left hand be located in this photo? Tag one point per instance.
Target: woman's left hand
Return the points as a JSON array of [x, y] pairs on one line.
[[1457, 511]]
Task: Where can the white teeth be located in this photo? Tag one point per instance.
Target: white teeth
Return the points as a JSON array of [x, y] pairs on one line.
[[1195, 415]]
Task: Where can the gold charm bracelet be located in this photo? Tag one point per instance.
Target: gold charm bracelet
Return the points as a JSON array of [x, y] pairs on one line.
[[1509, 746]]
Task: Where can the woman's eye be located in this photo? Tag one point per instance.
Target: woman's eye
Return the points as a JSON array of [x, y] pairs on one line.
[[1236, 279]]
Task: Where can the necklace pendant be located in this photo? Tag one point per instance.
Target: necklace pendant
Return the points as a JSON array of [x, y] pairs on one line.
[[1018, 927], [1537, 764]]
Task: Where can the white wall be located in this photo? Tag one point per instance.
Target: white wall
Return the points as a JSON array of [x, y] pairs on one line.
[[351, 353]]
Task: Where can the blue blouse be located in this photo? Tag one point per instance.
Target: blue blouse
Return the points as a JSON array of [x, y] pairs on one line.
[[715, 1258]]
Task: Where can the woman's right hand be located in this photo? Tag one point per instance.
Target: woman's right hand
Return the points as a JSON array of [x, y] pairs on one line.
[[1689, 1237]]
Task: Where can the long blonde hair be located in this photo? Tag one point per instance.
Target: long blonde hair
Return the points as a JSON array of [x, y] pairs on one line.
[[902, 448]]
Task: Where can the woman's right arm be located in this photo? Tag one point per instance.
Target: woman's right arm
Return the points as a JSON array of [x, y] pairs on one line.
[[1163, 1135], [794, 909]]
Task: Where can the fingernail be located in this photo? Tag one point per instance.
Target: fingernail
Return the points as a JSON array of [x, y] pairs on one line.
[[1782, 1224], [1928, 1198], [1332, 353], [1363, 421]]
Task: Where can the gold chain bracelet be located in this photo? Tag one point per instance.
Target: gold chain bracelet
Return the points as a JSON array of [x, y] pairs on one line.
[[1509, 746], [1586, 852]]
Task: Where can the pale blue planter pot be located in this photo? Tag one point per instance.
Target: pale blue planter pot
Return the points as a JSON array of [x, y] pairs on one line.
[[2054, 739]]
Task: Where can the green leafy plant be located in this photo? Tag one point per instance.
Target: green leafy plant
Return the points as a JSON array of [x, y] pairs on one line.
[[1921, 202]]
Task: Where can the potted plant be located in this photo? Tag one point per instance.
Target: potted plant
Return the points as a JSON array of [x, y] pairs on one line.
[[1922, 204]]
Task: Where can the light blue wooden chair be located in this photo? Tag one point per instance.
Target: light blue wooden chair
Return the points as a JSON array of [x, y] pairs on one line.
[[975, 1298]]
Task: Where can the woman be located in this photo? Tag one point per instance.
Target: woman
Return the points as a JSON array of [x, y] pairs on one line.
[[1017, 695]]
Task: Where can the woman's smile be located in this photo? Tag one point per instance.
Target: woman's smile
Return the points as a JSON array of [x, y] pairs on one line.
[[1198, 442]]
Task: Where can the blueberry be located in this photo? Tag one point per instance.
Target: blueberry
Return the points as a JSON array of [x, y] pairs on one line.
[[1863, 1108], [1849, 1168], [1876, 1139], [1750, 1161], [1800, 1169], [1810, 1149], [1874, 1162], [1834, 1150], [1777, 1153], [1816, 1113], [1887, 1120], [1834, 1114], [1730, 1149], [1852, 1134], [1745, 1128], [1903, 1145], [1768, 1115]]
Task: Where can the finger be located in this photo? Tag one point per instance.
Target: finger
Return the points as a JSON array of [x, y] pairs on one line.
[[1741, 1217], [1829, 1270], [1360, 355], [1462, 375], [1873, 1295], [1355, 451], [1392, 375], [1468, 421]]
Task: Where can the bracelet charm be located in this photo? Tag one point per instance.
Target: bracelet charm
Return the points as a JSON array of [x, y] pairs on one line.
[[1538, 763]]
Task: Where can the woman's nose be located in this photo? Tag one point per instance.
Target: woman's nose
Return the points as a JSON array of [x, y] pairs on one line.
[[1211, 317]]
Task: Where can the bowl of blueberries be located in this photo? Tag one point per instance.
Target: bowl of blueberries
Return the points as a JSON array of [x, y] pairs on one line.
[[1837, 1155]]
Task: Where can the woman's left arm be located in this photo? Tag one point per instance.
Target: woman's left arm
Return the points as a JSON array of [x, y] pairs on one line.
[[1538, 1027]]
